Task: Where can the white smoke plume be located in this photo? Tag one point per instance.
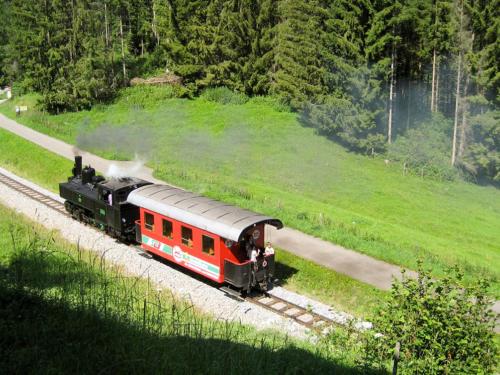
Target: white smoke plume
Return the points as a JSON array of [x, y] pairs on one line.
[[125, 169]]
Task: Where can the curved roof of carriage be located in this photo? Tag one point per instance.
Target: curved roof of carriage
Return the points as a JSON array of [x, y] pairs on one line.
[[208, 214]]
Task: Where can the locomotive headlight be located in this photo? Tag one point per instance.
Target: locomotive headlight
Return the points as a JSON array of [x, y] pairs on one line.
[[124, 220]]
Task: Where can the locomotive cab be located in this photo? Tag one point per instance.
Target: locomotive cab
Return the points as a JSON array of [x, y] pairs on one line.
[[114, 213]]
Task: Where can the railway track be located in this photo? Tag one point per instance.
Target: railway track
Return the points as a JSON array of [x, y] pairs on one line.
[[33, 194], [301, 315], [287, 309]]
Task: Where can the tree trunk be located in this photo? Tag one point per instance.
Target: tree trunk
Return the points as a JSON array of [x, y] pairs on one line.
[[463, 127], [391, 99], [434, 84], [436, 97], [457, 101], [465, 110], [408, 104], [154, 26], [457, 93], [106, 27], [123, 50], [434, 62]]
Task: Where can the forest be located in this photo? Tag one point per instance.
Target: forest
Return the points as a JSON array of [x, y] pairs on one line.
[[416, 81]]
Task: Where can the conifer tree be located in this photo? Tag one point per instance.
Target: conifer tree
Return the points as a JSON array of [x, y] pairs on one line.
[[263, 65], [298, 73]]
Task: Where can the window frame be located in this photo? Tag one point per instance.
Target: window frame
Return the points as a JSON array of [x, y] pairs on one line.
[[171, 235], [203, 236], [185, 241], [150, 227]]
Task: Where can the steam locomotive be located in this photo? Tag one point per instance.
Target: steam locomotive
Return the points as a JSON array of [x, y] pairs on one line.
[[208, 237]]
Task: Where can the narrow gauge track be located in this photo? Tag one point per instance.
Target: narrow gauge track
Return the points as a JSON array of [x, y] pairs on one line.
[[33, 194], [305, 317], [275, 304]]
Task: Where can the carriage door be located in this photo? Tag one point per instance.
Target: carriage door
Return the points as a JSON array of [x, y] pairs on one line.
[[109, 198], [104, 214]]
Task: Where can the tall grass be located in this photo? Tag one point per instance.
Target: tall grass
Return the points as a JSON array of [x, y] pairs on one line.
[[223, 95], [64, 309]]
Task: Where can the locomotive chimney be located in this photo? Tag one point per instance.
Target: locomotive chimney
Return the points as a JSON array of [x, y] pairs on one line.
[[77, 170]]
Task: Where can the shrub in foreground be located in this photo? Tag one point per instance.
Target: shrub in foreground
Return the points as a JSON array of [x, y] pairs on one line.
[[443, 326]]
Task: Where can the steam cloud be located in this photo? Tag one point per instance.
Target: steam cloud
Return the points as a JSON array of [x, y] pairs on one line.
[[125, 169], [125, 140]]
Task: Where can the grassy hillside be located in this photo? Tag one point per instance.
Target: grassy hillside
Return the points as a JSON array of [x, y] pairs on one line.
[[259, 157], [305, 277], [63, 310]]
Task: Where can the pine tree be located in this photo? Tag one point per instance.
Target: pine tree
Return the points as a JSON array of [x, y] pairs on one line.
[[298, 74], [260, 70]]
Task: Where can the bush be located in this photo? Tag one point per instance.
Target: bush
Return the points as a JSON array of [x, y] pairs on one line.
[[482, 156], [443, 326], [145, 95], [426, 150], [345, 122], [276, 103], [223, 95]]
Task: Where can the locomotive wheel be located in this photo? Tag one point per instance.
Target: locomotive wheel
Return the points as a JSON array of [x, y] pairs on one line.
[[69, 207], [77, 214]]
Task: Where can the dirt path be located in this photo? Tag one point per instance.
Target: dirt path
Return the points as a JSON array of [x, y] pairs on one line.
[[351, 263]]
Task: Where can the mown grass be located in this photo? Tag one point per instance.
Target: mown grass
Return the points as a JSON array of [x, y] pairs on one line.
[[33, 162], [45, 168], [64, 310], [259, 157]]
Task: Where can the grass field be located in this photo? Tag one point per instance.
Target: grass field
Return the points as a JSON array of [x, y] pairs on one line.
[[45, 168], [261, 158], [63, 310]]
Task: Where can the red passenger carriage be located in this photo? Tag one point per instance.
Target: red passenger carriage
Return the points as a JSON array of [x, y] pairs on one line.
[[206, 236]]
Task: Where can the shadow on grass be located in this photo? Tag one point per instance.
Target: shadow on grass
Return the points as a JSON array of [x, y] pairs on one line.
[[283, 271], [43, 332]]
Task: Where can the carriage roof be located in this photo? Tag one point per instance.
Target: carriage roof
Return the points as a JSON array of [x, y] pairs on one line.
[[217, 217]]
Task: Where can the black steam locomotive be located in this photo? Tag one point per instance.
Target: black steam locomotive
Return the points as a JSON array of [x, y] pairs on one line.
[[100, 202]]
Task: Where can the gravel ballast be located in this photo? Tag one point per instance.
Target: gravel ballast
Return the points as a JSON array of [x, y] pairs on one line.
[[203, 296]]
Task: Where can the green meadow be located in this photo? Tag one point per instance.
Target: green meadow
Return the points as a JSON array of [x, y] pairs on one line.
[[257, 155]]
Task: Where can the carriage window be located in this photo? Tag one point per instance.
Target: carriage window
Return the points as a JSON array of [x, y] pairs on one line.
[[208, 245], [149, 221], [187, 236], [167, 229]]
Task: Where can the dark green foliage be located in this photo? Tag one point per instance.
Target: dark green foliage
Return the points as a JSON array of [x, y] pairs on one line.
[[346, 122], [444, 326], [4, 17], [425, 150], [482, 157], [346, 58], [298, 73]]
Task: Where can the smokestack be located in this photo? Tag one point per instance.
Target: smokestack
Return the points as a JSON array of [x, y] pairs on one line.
[[77, 170]]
